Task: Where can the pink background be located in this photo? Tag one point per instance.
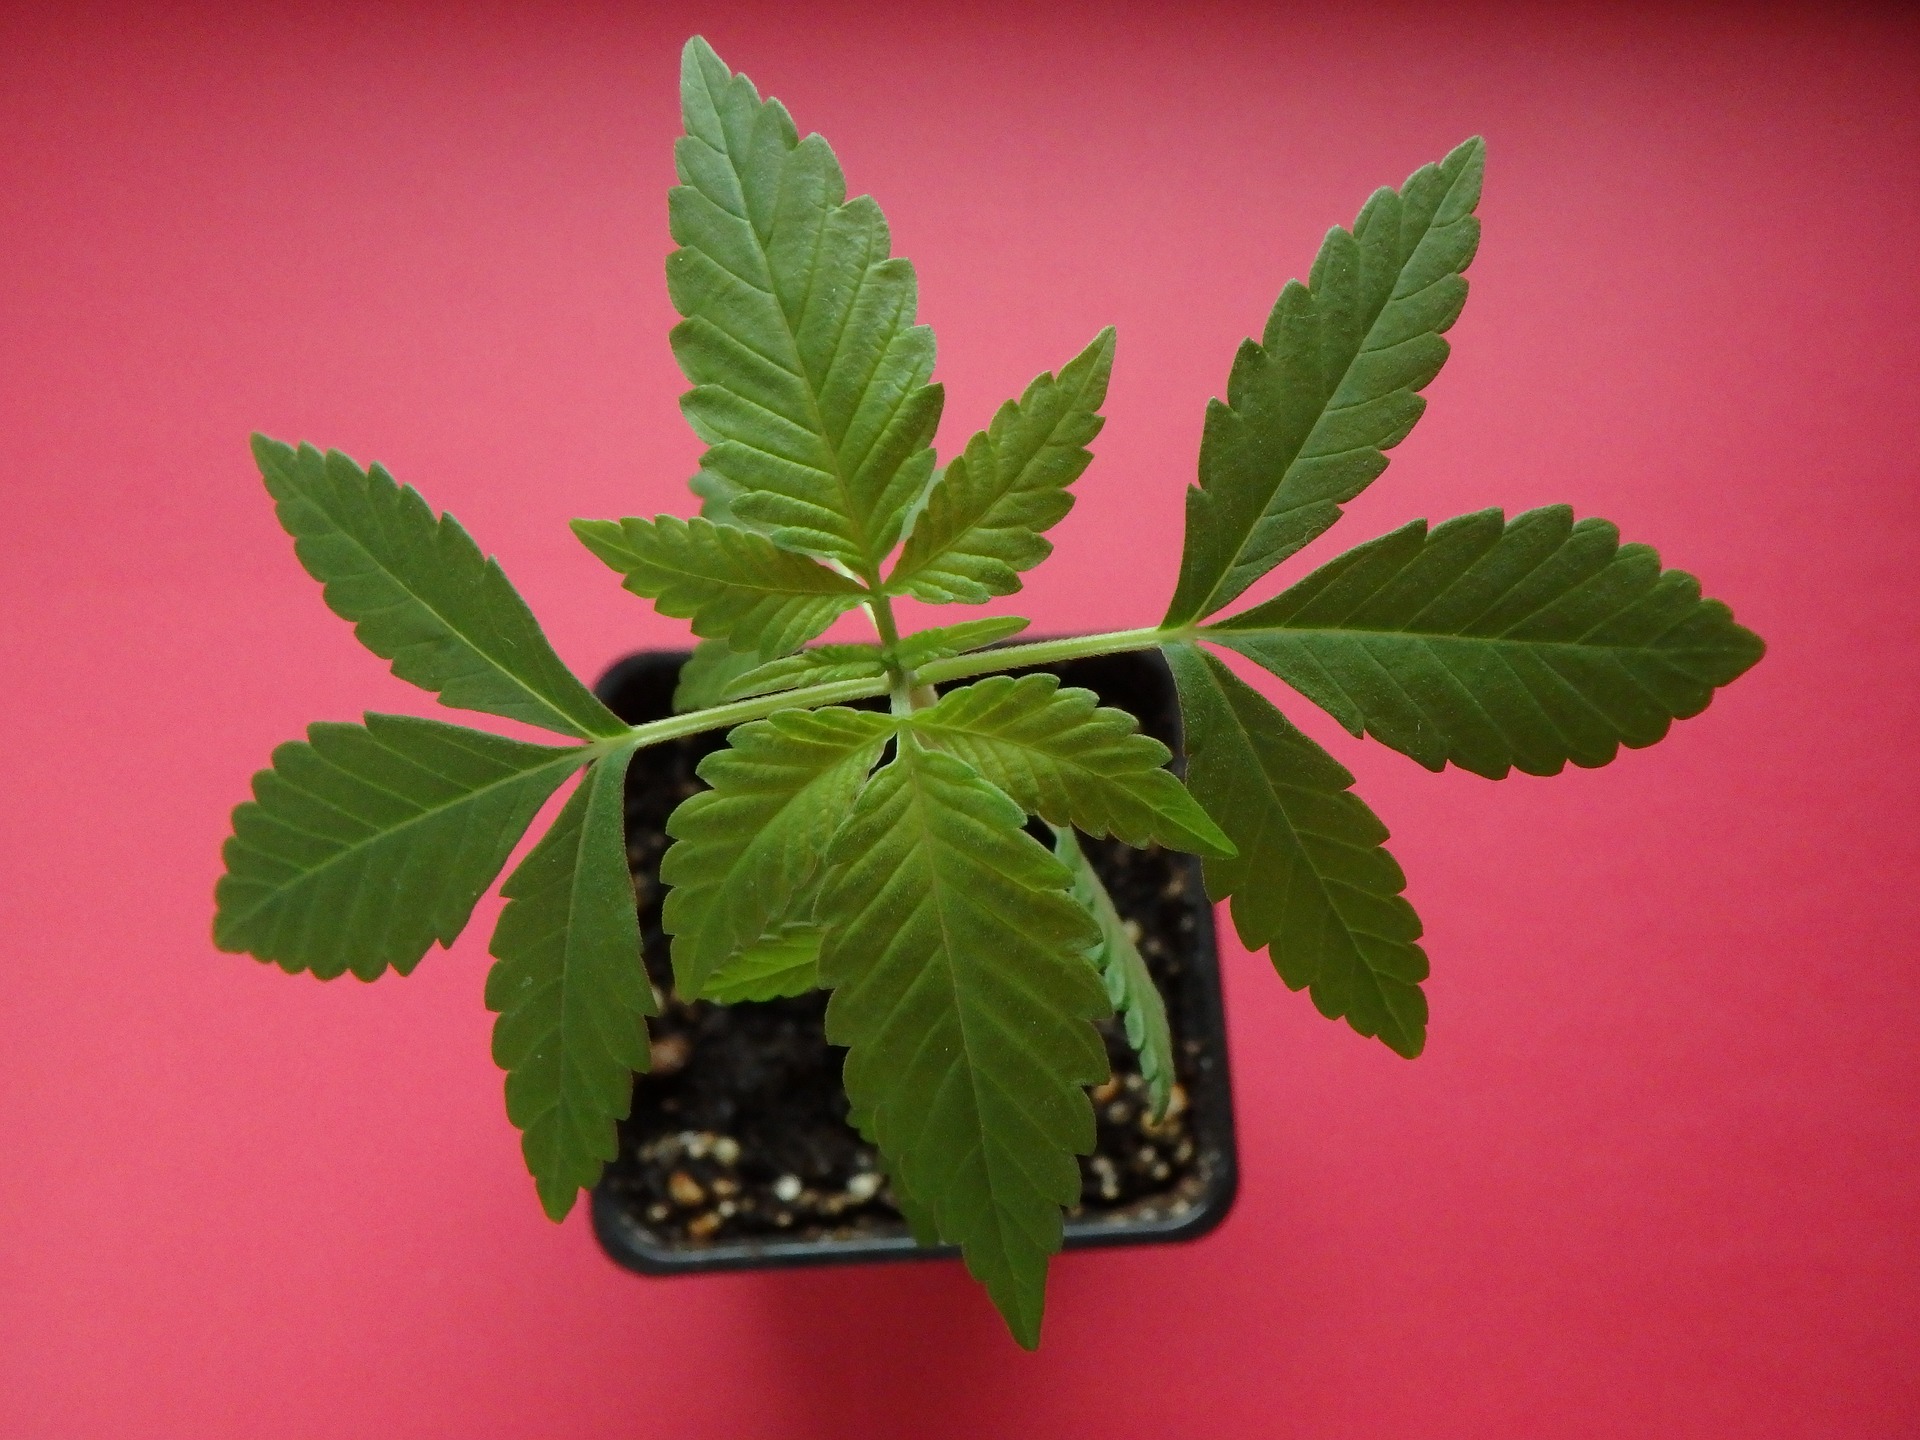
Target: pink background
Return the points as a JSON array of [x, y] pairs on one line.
[[1656, 1173]]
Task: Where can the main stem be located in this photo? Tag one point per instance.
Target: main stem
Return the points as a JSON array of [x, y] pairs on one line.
[[907, 692], [900, 689]]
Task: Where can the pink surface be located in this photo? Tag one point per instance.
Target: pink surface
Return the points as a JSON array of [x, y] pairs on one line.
[[1656, 1173]]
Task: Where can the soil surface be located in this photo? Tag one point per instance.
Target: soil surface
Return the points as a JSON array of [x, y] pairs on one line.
[[739, 1131]]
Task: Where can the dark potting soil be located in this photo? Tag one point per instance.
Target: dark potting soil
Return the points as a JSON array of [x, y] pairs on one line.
[[739, 1130]]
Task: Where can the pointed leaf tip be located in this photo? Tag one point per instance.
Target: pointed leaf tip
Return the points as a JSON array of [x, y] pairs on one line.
[[1065, 757], [809, 372], [961, 988], [983, 520], [1331, 385], [571, 989], [1499, 644], [420, 594], [1312, 882]]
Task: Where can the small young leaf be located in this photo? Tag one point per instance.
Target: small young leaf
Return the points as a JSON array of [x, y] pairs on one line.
[[733, 584], [1334, 381], [960, 984], [420, 594], [745, 851], [983, 518], [570, 989], [1129, 986], [1063, 756], [1522, 645], [822, 665], [1311, 881], [945, 641], [364, 844], [713, 666], [825, 664], [784, 963], [809, 373]]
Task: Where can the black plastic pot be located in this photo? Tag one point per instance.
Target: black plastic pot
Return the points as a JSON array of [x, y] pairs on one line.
[[640, 688]]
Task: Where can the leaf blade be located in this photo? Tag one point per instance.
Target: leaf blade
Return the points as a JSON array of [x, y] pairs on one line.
[[571, 991], [984, 517], [1333, 382], [436, 807], [745, 850], [708, 671], [1124, 972], [1063, 756], [968, 1030], [1312, 882], [941, 642], [809, 373], [820, 665], [419, 593], [733, 584], [774, 967], [1498, 644]]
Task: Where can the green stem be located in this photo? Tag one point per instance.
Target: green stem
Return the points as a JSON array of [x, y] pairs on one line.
[[899, 684], [901, 688], [1046, 652], [717, 717]]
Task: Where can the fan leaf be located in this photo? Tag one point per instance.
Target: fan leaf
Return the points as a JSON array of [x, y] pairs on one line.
[[1063, 756], [571, 990], [957, 960], [1129, 985], [1333, 382], [733, 584], [983, 518], [1312, 882], [746, 851], [419, 593], [809, 373], [1493, 645], [364, 844]]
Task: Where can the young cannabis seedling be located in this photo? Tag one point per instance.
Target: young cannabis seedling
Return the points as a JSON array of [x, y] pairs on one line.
[[884, 856]]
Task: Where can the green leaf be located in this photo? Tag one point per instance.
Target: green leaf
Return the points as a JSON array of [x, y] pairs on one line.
[[784, 963], [420, 594], [1522, 645], [733, 584], [984, 516], [821, 665], [1063, 756], [745, 851], [1333, 382], [942, 642], [809, 373], [364, 844], [717, 494], [1129, 985], [571, 990], [713, 666], [1311, 880], [957, 960], [920, 1222]]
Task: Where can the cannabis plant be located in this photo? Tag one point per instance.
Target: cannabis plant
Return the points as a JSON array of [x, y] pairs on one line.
[[883, 854]]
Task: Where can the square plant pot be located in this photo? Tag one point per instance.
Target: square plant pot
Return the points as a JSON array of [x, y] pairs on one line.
[[737, 1154]]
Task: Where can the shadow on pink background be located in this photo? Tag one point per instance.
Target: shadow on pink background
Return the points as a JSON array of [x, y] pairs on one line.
[[1656, 1173]]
